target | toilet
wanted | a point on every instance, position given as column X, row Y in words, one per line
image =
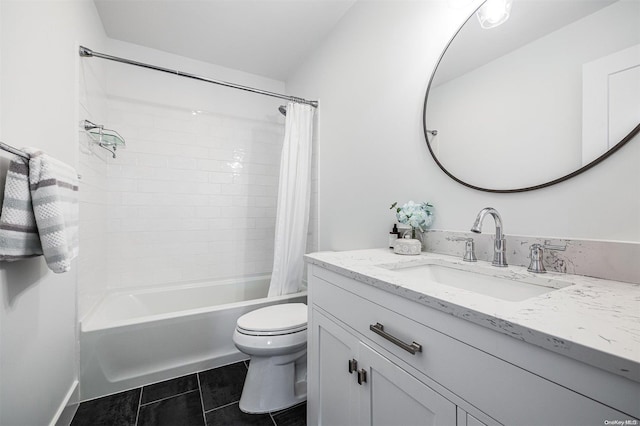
column 276, row 339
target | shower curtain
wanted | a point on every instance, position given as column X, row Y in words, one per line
column 294, row 194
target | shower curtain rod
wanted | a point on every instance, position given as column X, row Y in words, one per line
column 88, row 53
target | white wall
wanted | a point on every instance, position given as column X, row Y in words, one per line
column 370, row 75
column 39, row 80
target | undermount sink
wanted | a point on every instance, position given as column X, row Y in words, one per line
column 480, row 280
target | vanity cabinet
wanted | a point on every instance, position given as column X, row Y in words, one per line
column 357, row 376
column 362, row 387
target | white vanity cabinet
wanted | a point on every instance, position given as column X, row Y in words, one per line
column 359, row 377
column 361, row 387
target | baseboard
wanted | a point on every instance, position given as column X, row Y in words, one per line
column 68, row 407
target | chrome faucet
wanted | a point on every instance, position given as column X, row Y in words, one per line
column 500, row 244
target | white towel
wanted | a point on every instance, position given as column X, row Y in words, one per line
column 44, row 207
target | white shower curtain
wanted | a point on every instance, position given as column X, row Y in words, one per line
column 294, row 194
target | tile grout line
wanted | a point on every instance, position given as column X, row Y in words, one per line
column 139, row 404
column 222, row 406
column 236, row 402
column 204, row 414
column 167, row 397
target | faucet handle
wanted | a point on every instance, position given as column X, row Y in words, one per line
column 536, row 265
column 554, row 247
column 469, row 249
column 536, row 252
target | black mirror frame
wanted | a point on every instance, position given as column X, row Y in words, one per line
column 582, row 169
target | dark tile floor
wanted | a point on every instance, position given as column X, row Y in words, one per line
column 208, row 398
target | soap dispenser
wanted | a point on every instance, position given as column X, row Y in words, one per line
column 393, row 236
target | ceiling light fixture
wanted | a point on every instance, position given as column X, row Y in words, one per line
column 494, row 13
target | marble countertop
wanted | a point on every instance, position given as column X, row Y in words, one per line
column 593, row 320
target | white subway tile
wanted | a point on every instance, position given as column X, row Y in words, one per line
column 122, row 184
column 114, row 198
column 182, row 163
column 167, row 186
column 136, row 199
column 171, row 136
column 182, row 175
column 222, row 154
column 167, row 275
column 220, row 200
column 220, row 130
column 241, row 223
column 168, row 212
column 243, row 201
column 234, row 189
column 266, row 201
column 201, row 151
column 262, row 222
column 209, row 188
column 163, row 199
column 182, row 123
column 122, row 212
column 153, row 159
column 210, row 165
column 208, row 211
column 114, row 225
column 217, row 177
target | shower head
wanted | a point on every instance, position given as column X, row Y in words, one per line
column 283, row 110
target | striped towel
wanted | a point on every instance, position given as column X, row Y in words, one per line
column 18, row 232
column 40, row 211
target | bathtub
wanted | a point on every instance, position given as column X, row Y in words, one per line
column 139, row 337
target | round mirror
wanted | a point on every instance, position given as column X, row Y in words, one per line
column 548, row 94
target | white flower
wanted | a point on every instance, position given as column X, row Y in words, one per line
column 418, row 216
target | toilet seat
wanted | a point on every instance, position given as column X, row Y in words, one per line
column 276, row 320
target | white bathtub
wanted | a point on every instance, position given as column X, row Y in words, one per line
column 139, row 337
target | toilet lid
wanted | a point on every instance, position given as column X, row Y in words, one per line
column 284, row 318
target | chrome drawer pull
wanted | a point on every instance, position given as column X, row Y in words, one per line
column 411, row 348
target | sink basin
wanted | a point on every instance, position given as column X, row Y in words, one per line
column 481, row 280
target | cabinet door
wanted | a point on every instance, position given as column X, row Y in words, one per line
column 336, row 399
column 472, row 421
column 466, row 419
column 394, row 397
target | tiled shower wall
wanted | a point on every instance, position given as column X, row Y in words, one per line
column 192, row 197
column 92, row 166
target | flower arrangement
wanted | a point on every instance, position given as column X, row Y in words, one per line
column 417, row 216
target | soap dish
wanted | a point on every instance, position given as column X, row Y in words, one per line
column 407, row 246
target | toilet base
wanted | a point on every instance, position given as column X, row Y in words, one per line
column 275, row 383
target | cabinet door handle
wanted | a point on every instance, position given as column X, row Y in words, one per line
column 411, row 348
column 362, row 376
column 353, row 365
